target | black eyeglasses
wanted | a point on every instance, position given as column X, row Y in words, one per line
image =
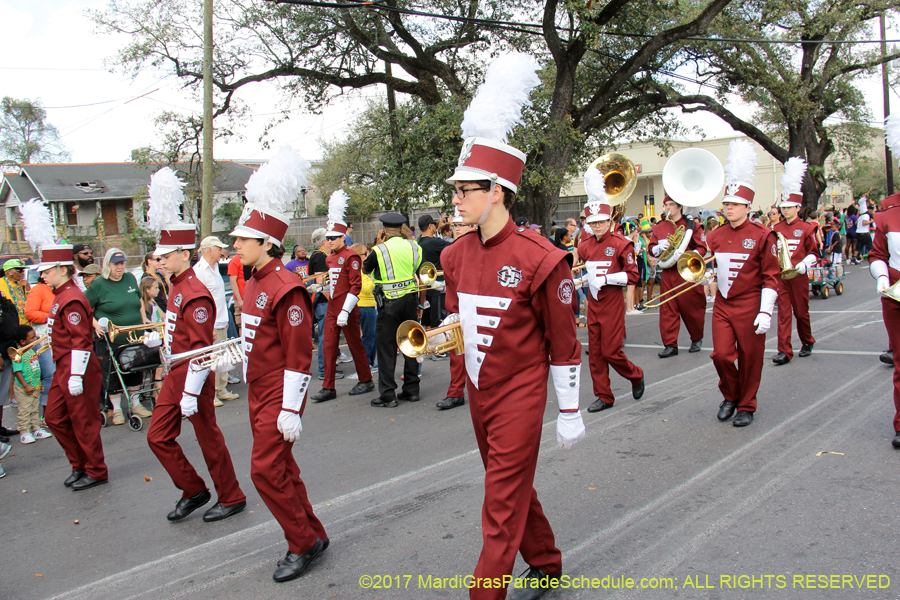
column 86, row 252
column 461, row 193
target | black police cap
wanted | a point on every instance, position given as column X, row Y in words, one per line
column 393, row 220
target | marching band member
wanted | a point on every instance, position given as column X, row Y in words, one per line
column 189, row 392
column 277, row 340
column 513, row 291
column 457, row 389
column 747, row 274
column 690, row 306
column 884, row 265
column 793, row 294
column 72, row 413
column 609, row 259
column 342, row 315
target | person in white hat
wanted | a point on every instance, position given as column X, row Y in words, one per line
column 747, row 275
column 513, row 292
column 793, row 294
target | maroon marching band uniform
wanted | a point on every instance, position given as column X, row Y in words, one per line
column 277, row 338
column 190, row 316
column 75, row 420
column 513, row 295
column 345, row 278
column 746, row 263
column 690, row 306
column 793, row 294
column 886, row 250
column 606, row 311
column 457, row 387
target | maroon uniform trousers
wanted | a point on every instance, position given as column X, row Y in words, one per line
column 165, row 427
column 793, row 299
column 511, row 506
column 890, row 309
column 75, row 420
column 734, row 339
column 606, row 335
column 458, row 378
column 689, row 306
column 275, row 472
column 354, row 343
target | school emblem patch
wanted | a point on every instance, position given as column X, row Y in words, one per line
column 341, row 260
column 631, row 259
column 565, row 291
column 749, row 244
column 295, row 315
column 201, row 315
column 610, row 251
column 798, row 232
column 509, row 277
column 74, row 318
column 178, row 300
column 261, row 300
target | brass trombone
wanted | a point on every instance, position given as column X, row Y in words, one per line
column 16, row 354
column 692, row 268
column 132, row 331
column 427, row 276
column 414, row 340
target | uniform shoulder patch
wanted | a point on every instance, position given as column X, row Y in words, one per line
column 295, row 315
column 201, row 315
column 74, row 318
column 566, row 291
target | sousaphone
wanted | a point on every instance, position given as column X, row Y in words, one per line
column 693, row 177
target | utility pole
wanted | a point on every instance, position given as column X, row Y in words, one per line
column 888, row 159
column 206, row 206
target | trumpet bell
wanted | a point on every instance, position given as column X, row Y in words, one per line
column 619, row 176
column 411, row 339
column 693, row 177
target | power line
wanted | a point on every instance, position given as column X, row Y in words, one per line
column 48, row 69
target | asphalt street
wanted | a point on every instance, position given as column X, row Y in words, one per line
column 659, row 494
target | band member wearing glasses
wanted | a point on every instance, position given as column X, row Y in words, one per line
column 690, row 306
column 187, row 391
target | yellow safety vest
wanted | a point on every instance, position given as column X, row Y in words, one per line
column 398, row 259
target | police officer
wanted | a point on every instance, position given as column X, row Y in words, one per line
column 393, row 264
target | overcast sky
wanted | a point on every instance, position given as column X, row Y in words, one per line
column 51, row 52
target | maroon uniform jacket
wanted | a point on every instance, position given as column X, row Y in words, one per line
column 885, row 242
column 664, row 229
column 513, row 294
column 190, row 316
column 746, row 258
column 277, row 323
column 801, row 238
column 611, row 254
column 70, row 323
column 344, row 274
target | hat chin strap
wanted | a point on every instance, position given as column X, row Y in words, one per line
column 487, row 207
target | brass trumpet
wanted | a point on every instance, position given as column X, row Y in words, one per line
column 314, row 275
column 784, row 259
column 203, row 358
column 692, row 268
column 16, row 354
column 414, row 340
column 132, row 331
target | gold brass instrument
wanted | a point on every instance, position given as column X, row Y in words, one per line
column 784, row 259
column 428, row 274
column 414, row 340
column 578, row 266
column 892, row 292
column 15, row 354
column 692, row 268
column 314, row 275
column 675, row 240
column 619, row 177
column 132, row 331
column 204, row 358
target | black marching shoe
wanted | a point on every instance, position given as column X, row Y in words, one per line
column 324, row 395
column 743, row 418
column 220, row 511
column 450, row 402
column 363, row 387
column 896, row 441
column 186, row 506
column 3, row 439
column 382, row 403
column 781, row 359
column 726, row 410
column 637, row 389
column 533, row 584
column 408, row 397
column 598, row 405
column 75, row 476
column 87, row 482
column 887, row 357
column 669, row 351
column 806, row 350
column 696, row 346
column 8, row 432
column 293, row 565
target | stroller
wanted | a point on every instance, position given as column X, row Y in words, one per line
column 133, row 358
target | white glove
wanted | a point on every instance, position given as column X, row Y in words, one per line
column 289, row 425
column 882, row 284
column 223, row 363
column 342, row 318
column 660, row 247
column 188, row 404
column 598, row 282
column 76, row 385
column 152, row 339
column 438, row 285
column 762, row 322
column 569, row 429
column 801, row 267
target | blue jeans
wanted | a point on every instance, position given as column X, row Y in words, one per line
column 48, row 367
column 319, row 313
column 367, row 317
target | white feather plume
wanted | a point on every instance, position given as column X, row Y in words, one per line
column 337, row 206
column 278, row 182
column 741, row 164
column 497, row 106
column 892, row 132
column 792, row 180
column 166, row 198
column 595, row 186
column 38, row 224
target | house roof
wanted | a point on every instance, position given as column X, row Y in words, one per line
column 20, row 186
column 74, row 182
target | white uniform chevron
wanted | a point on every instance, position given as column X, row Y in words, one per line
column 728, row 266
column 893, row 239
column 471, row 320
column 595, row 269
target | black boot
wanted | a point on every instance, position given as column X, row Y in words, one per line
column 726, row 410
column 887, row 357
column 363, row 387
column 533, row 584
column 75, row 476
column 186, row 506
column 743, row 418
column 669, row 351
column 696, row 346
column 219, row 511
column 806, row 350
column 87, row 482
column 293, row 565
column 384, row 403
column 896, row 441
column 781, row 359
column 450, row 402
column 324, row 395
column 637, row 389
column 598, row 405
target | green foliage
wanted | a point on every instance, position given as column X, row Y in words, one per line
column 229, row 213
column 26, row 136
column 866, row 176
